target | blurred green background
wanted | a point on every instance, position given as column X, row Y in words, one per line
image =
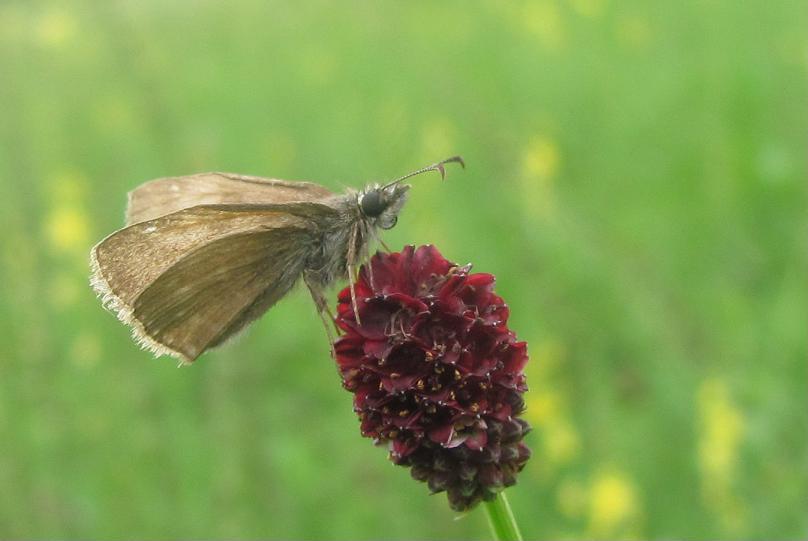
column 636, row 181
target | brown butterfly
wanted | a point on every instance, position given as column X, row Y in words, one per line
column 202, row 256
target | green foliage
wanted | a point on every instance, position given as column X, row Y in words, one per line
column 636, row 181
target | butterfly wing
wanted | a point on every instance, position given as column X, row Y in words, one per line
column 187, row 281
column 166, row 195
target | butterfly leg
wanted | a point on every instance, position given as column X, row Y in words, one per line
column 351, row 267
column 321, row 304
column 329, row 332
column 370, row 275
column 369, row 232
column 352, row 279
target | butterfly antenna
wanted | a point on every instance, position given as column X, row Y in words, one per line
column 434, row 167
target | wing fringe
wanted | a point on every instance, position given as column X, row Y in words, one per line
column 125, row 313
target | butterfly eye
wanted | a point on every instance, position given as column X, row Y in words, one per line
column 389, row 224
column 372, row 204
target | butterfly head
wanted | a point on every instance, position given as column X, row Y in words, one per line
column 381, row 204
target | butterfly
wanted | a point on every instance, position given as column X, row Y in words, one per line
column 203, row 256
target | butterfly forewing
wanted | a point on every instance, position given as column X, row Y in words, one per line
column 188, row 280
column 166, row 195
column 217, row 289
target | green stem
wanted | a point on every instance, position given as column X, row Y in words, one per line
column 500, row 518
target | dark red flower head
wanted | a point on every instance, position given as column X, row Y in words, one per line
column 436, row 373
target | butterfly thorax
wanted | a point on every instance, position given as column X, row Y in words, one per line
column 345, row 238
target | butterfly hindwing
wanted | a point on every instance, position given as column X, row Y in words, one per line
column 166, row 195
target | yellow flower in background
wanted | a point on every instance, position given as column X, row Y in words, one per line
column 542, row 158
column 721, row 432
column 609, row 503
column 614, row 507
column 67, row 228
column 722, row 428
column 543, row 19
column 544, row 406
column 561, row 442
column 55, row 27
